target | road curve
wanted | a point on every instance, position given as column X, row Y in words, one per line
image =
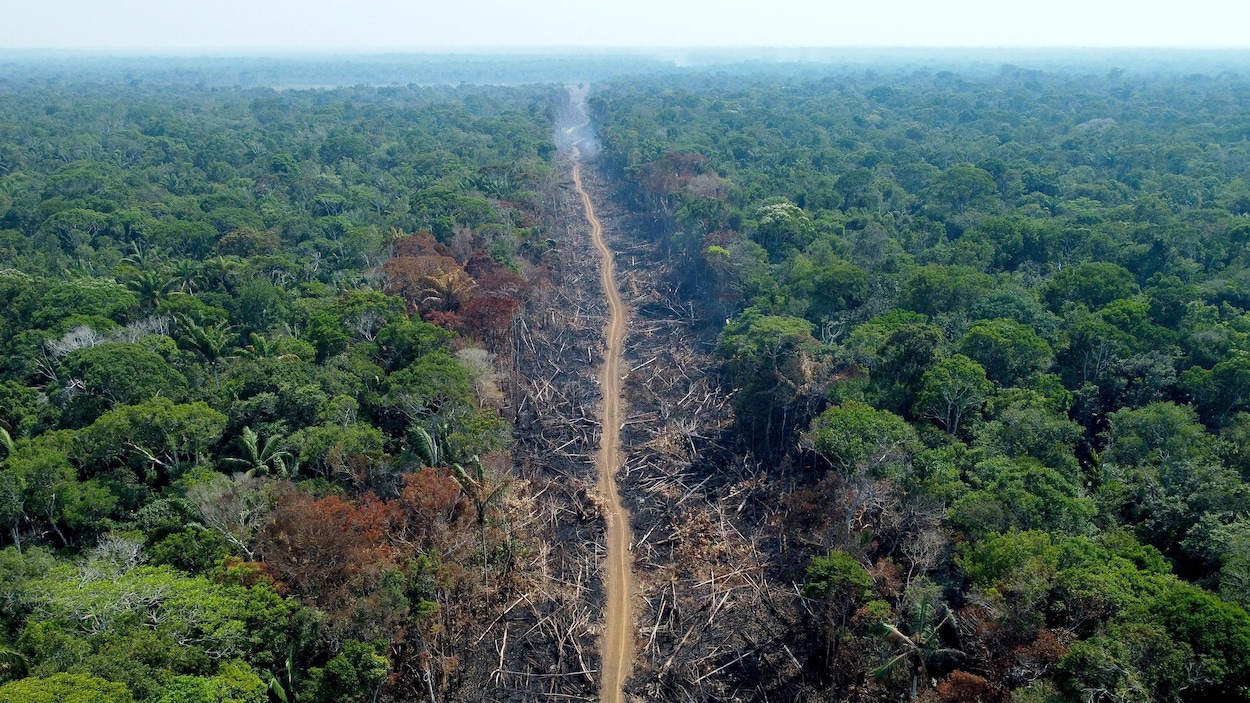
column 618, row 634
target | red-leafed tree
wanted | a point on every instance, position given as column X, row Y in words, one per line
column 429, row 505
column 489, row 318
column 446, row 320
column 336, row 556
column 351, row 559
column 495, row 279
column 963, row 687
column 320, row 546
column 419, row 244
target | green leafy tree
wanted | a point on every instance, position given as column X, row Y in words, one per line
column 855, row 437
column 828, row 288
column 1021, row 494
column 193, row 309
column 1029, row 423
column 26, row 411
column 402, row 341
column 246, row 241
column 904, row 359
column 1095, row 348
column 1161, row 471
column 1093, row 284
column 258, row 304
column 85, row 296
column 121, row 373
column 64, row 688
column 156, row 436
column 73, row 228
column 114, row 617
column 1133, row 662
column 782, row 225
column 1223, row 390
column 354, row 676
column 365, row 313
column 959, row 188
column 326, row 333
column 1009, row 351
column 842, row 586
column 934, row 289
column 321, row 447
column 433, row 392
column 52, row 496
column 953, row 390
column 1218, row 634
column 235, row 682
column 1232, row 542
column 866, row 447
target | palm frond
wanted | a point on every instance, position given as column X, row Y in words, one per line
column 13, row 664
column 893, row 635
column 883, row 671
column 467, row 482
column 423, row 445
column 945, row 653
column 276, row 690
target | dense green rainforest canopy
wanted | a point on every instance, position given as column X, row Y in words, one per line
column 217, row 388
column 1000, row 324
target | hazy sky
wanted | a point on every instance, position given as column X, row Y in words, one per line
column 427, row 24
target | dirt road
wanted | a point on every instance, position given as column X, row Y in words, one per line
column 618, row 634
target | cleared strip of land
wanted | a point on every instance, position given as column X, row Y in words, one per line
column 618, row 580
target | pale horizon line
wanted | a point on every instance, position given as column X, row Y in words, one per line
column 548, row 50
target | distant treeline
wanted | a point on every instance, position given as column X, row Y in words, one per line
column 323, row 70
column 329, row 70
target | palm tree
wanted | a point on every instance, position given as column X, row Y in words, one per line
column 259, row 457
column 210, row 341
column 259, row 347
column 220, row 268
column 286, row 693
column 919, row 650
column 446, row 290
column 496, row 184
column 143, row 257
column 482, row 490
column 152, row 286
column 187, row 274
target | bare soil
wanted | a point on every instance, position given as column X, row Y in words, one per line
column 618, row 635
